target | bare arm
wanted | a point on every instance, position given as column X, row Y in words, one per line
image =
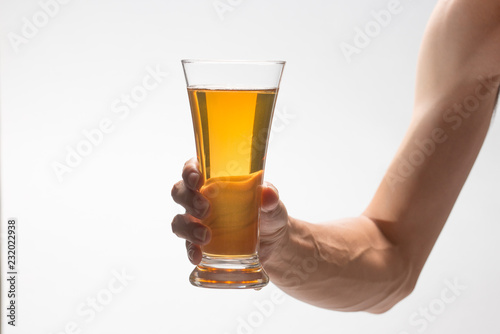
column 371, row 262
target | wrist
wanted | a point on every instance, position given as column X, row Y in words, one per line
column 284, row 251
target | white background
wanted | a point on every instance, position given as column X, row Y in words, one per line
column 341, row 124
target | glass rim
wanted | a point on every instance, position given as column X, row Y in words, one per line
column 241, row 62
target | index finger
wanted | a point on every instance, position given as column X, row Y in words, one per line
column 191, row 174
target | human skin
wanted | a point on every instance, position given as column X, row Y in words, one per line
column 371, row 262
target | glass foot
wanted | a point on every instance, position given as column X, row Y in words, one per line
column 229, row 273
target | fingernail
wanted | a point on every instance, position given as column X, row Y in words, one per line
column 200, row 233
column 274, row 188
column 193, row 179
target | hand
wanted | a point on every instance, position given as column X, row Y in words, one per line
column 273, row 216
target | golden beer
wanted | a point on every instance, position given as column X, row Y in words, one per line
column 231, row 130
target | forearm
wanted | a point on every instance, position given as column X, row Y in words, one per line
column 346, row 265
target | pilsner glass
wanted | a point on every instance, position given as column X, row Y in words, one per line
column 232, row 104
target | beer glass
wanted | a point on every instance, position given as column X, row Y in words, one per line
column 232, row 105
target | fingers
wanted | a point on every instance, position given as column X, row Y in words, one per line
column 189, row 228
column 194, row 252
column 193, row 201
column 191, row 174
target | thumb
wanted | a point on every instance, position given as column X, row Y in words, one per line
column 273, row 212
